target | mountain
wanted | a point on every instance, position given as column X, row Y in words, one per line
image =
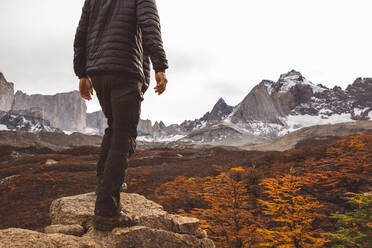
column 52, row 140
column 96, row 123
column 273, row 109
column 66, row 111
column 63, row 111
column 26, row 120
column 219, row 111
column 6, row 94
column 270, row 110
column 318, row 134
column 157, row 132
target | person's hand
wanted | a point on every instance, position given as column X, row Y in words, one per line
column 86, row 88
column 161, row 81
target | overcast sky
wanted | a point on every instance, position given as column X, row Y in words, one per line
column 215, row 48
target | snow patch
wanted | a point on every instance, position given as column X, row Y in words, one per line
column 325, row 111
column 358, row 111
column 87, row 131
column 295, row 122
column 4, row 128
column 67, row 132
column 169, row 138
column 269, row 87
column 292, row 80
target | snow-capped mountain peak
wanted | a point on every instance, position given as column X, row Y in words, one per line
column 289, row 80
column 25, row 121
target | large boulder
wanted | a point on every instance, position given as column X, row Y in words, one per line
column 71, row 227
column 15, row 237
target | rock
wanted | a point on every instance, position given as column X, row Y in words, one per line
column 79, row 210
column 26, row 120
column 201, row 233
column 71, row 227
column 35, row 112
column 144, row 127
column 8, row 180
column 50, row 162
column 159, row 126
column 6, row 93
column 66, row 111
column 257, row 106
column 184, row 224
column 98, row 121
column 55, row 141
column 223, row 134
column 320, row 132
column 145, row 237
column 15, row 155
column 21, row 238
column 219, row 112
column 76, row 230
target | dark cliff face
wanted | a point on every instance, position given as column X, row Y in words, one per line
column 293, row 94
column 273, row 109
column 97, row 121
column 26, row 120
column 270, row 100
column 361, row 92
column 219, row 112
column 6, row 93
column 268, row 111
column 258, row 105
column 66, row 111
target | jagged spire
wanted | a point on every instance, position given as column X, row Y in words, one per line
column 293, row 74
column 2, row 78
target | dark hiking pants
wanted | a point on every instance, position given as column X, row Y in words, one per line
column 120, row 98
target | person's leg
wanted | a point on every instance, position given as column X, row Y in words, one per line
column 101, row 85
column 105, row 147
column 125, row 101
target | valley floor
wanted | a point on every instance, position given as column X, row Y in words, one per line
column 31, row 178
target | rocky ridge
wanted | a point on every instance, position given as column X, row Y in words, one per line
column 270, row 111
column 273, row 109
column 66, row 111
column 62, row 111
column 30, row 120
column 71, row 227
column 6, row 93
column 317, row 133
column 52, row 140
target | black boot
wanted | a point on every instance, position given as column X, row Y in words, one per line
column 123, row 219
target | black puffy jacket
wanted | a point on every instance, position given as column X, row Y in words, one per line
column 119, row 36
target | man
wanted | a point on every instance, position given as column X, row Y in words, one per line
column 114, row 42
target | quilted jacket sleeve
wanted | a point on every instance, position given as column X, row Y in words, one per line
column 146, row 71
column 80, row 42
column 148, row 19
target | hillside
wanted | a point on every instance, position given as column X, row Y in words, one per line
column 314, row 135
column 32, row 178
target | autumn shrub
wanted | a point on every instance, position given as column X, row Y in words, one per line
column 354, row 229
column 291, row 214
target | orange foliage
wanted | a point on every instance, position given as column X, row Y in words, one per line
column 291, row 214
